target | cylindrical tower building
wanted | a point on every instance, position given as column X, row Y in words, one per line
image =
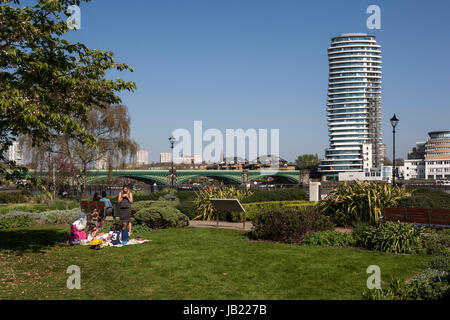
column 353, row 105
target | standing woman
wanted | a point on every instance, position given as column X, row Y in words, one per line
column 125, row 200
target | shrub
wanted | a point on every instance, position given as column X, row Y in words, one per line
column 187, row 208
column 169, row 196
column 434, row 242
column 329, row 238
column 42, row 218
column 358, row 232
column 161, row 217
column 205, row 209
column 13, row 197
column 426, row 198
column 440, row 263
column 397, row 290
column 288, row 225
column 139, row 205
column 252, row 208
column 392, row 237
column 360, row 201
column 182, row 195
column 430, row 284
column 15, row 222
column 276, row 195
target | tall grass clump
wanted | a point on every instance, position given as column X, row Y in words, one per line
column 360, row 201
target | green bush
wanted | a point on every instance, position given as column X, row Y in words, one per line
column 15, row 222
column 169, row 196
column 276, row 195
column 393, row 237
column 434, row 242
column 182, row 195
column 360, row 201
column 13, row 197
column 430, row 284
column 440, row 263
column 287, row 225
column 187, row 208
column 39, row 207
column 329, row 238
column 426, row 198
column 397, row 290
column 161, row 217
column 139, row 205
column 252, row 208
column 43, row 218
column 358, row 232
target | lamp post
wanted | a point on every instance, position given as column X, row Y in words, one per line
column 172, row 141
column 394, row 122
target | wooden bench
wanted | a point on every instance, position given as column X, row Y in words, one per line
column 433, row 218
column 88, row 206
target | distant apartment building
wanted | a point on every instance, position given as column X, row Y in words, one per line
column 142, row 157
column 165, row 157
column 413, row 169
column 353, row 106
column 195, row 159
column 414, row 166
column 431, row 159
column 375, row 174
column 437, row 155
column 15, row 153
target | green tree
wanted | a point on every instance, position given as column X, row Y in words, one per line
column 110, row 125
column 47, row 84
column 307, row 162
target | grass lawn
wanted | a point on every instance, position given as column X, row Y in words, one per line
column 189, row 263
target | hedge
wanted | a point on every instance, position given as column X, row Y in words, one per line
column 15, row 219
column 161, row 217
column 252, row 208
column 288, row 225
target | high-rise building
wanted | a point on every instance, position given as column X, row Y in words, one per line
column 165, row 157
column 353, row 105
column 142, row 157
column 15, row 153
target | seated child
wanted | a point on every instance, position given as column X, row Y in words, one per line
column 125, row 234
column 99, row 227
column 115, row 234
column 77, row 233
column 94, row 232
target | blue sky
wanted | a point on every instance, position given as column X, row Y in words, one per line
column 263, row 64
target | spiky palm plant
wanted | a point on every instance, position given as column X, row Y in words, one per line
column 205, row 208
column 360, row 201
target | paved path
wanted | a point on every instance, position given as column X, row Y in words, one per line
column 236, row 225
column 222, row 224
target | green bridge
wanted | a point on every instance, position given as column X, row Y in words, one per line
column 182, row 176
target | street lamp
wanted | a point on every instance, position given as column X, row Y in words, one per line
column 172, row 141
column 394, row 122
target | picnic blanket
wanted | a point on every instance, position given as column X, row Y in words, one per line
column 129, row 243
column 103, row 243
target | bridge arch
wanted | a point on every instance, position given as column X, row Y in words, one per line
column 292, row 177
column 148, row 180
column 227, row 180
